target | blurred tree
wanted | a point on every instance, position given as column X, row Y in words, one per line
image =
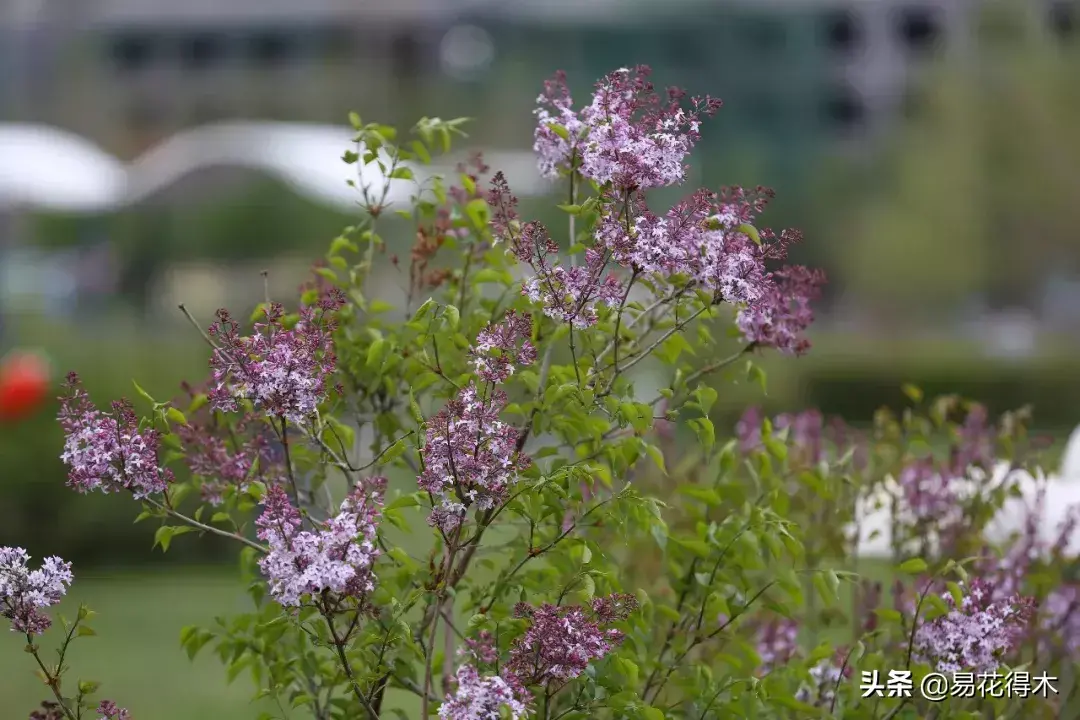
column 978, row 191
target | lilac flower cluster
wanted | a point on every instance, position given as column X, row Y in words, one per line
column 978, row 634
column 558, row 646
column 626, row 136
column 227, row 455
column 481, row 697
column 777, row 640
column 471, row 458
column 497, row 348
column 109, row 711
column 627, row 140
column 825, row 676
column 108, row 452
column 812, row 437
column 561, row 641
column 1058, row 627
column 24, row 593
column 281, row 372
column 933, row 491
column 337, row 557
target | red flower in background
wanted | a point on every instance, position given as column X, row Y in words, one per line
column 24, row 384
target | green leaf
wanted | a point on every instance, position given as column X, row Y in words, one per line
column 197, row 403
column 354, row 120
column 559, row 130
column 956, row 592
column 671, row 348
column 421, row 152
column 376, row 354
column 423, row 309
column 914, row 566
column 414, row 409
column 751, row 232
column 705, row 431
column 453, row 316
column 402, row 173
column 393, row 452
column 176, row 416
column 657, row 456
column 143, row 394
column 478, row 212
column 889, row 615
column 340, row 244
column 913, row 393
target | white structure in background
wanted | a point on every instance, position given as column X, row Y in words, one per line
column 1062, row 495
column 47, row 168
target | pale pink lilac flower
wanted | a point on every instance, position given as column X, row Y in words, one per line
column 561, row 641
column 1060, row 620
column 699, row 238
column 24, row 593
column 777, row 641
column 108, row 451
column 555, row 107
column 109, row 711
column 470, row 457
column 497, row 347
column 978, row 635
column 337, row 557
column 825, row 676
column 627, row 135
column 482, row 697
column 929, row 495
column 223, row 454
column 572, row 295
column 480, row 649
column 782, row 315
column 282, row 372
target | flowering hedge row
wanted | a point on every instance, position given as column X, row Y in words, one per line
column 576, row 561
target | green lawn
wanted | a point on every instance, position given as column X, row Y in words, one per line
column 136, row 654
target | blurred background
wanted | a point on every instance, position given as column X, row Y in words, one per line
column 154, row 152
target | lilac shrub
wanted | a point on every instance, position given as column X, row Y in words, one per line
column 464, row 508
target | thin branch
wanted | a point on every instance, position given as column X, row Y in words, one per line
column 205, row 528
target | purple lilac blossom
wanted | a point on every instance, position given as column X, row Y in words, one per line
column 109, row 711
column 978, row 634
column 777, row 641
column 282, row 372
column 470, row 456
column 337, row 557
column 24, row 593
column 481, row 697
column 108, row 451
column 560, row 642
column 824, row 678
column 497, row 348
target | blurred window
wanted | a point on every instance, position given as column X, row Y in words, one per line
column 133, row 51
column 1063, row 17
column 272, row 48
column 842, row 32
column 918, row 28
column 201, row 51
column 843, row 109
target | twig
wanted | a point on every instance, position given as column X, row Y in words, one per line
column 197, row 326
column 205, row 528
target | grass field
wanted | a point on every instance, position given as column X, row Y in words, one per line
column 136, row 654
